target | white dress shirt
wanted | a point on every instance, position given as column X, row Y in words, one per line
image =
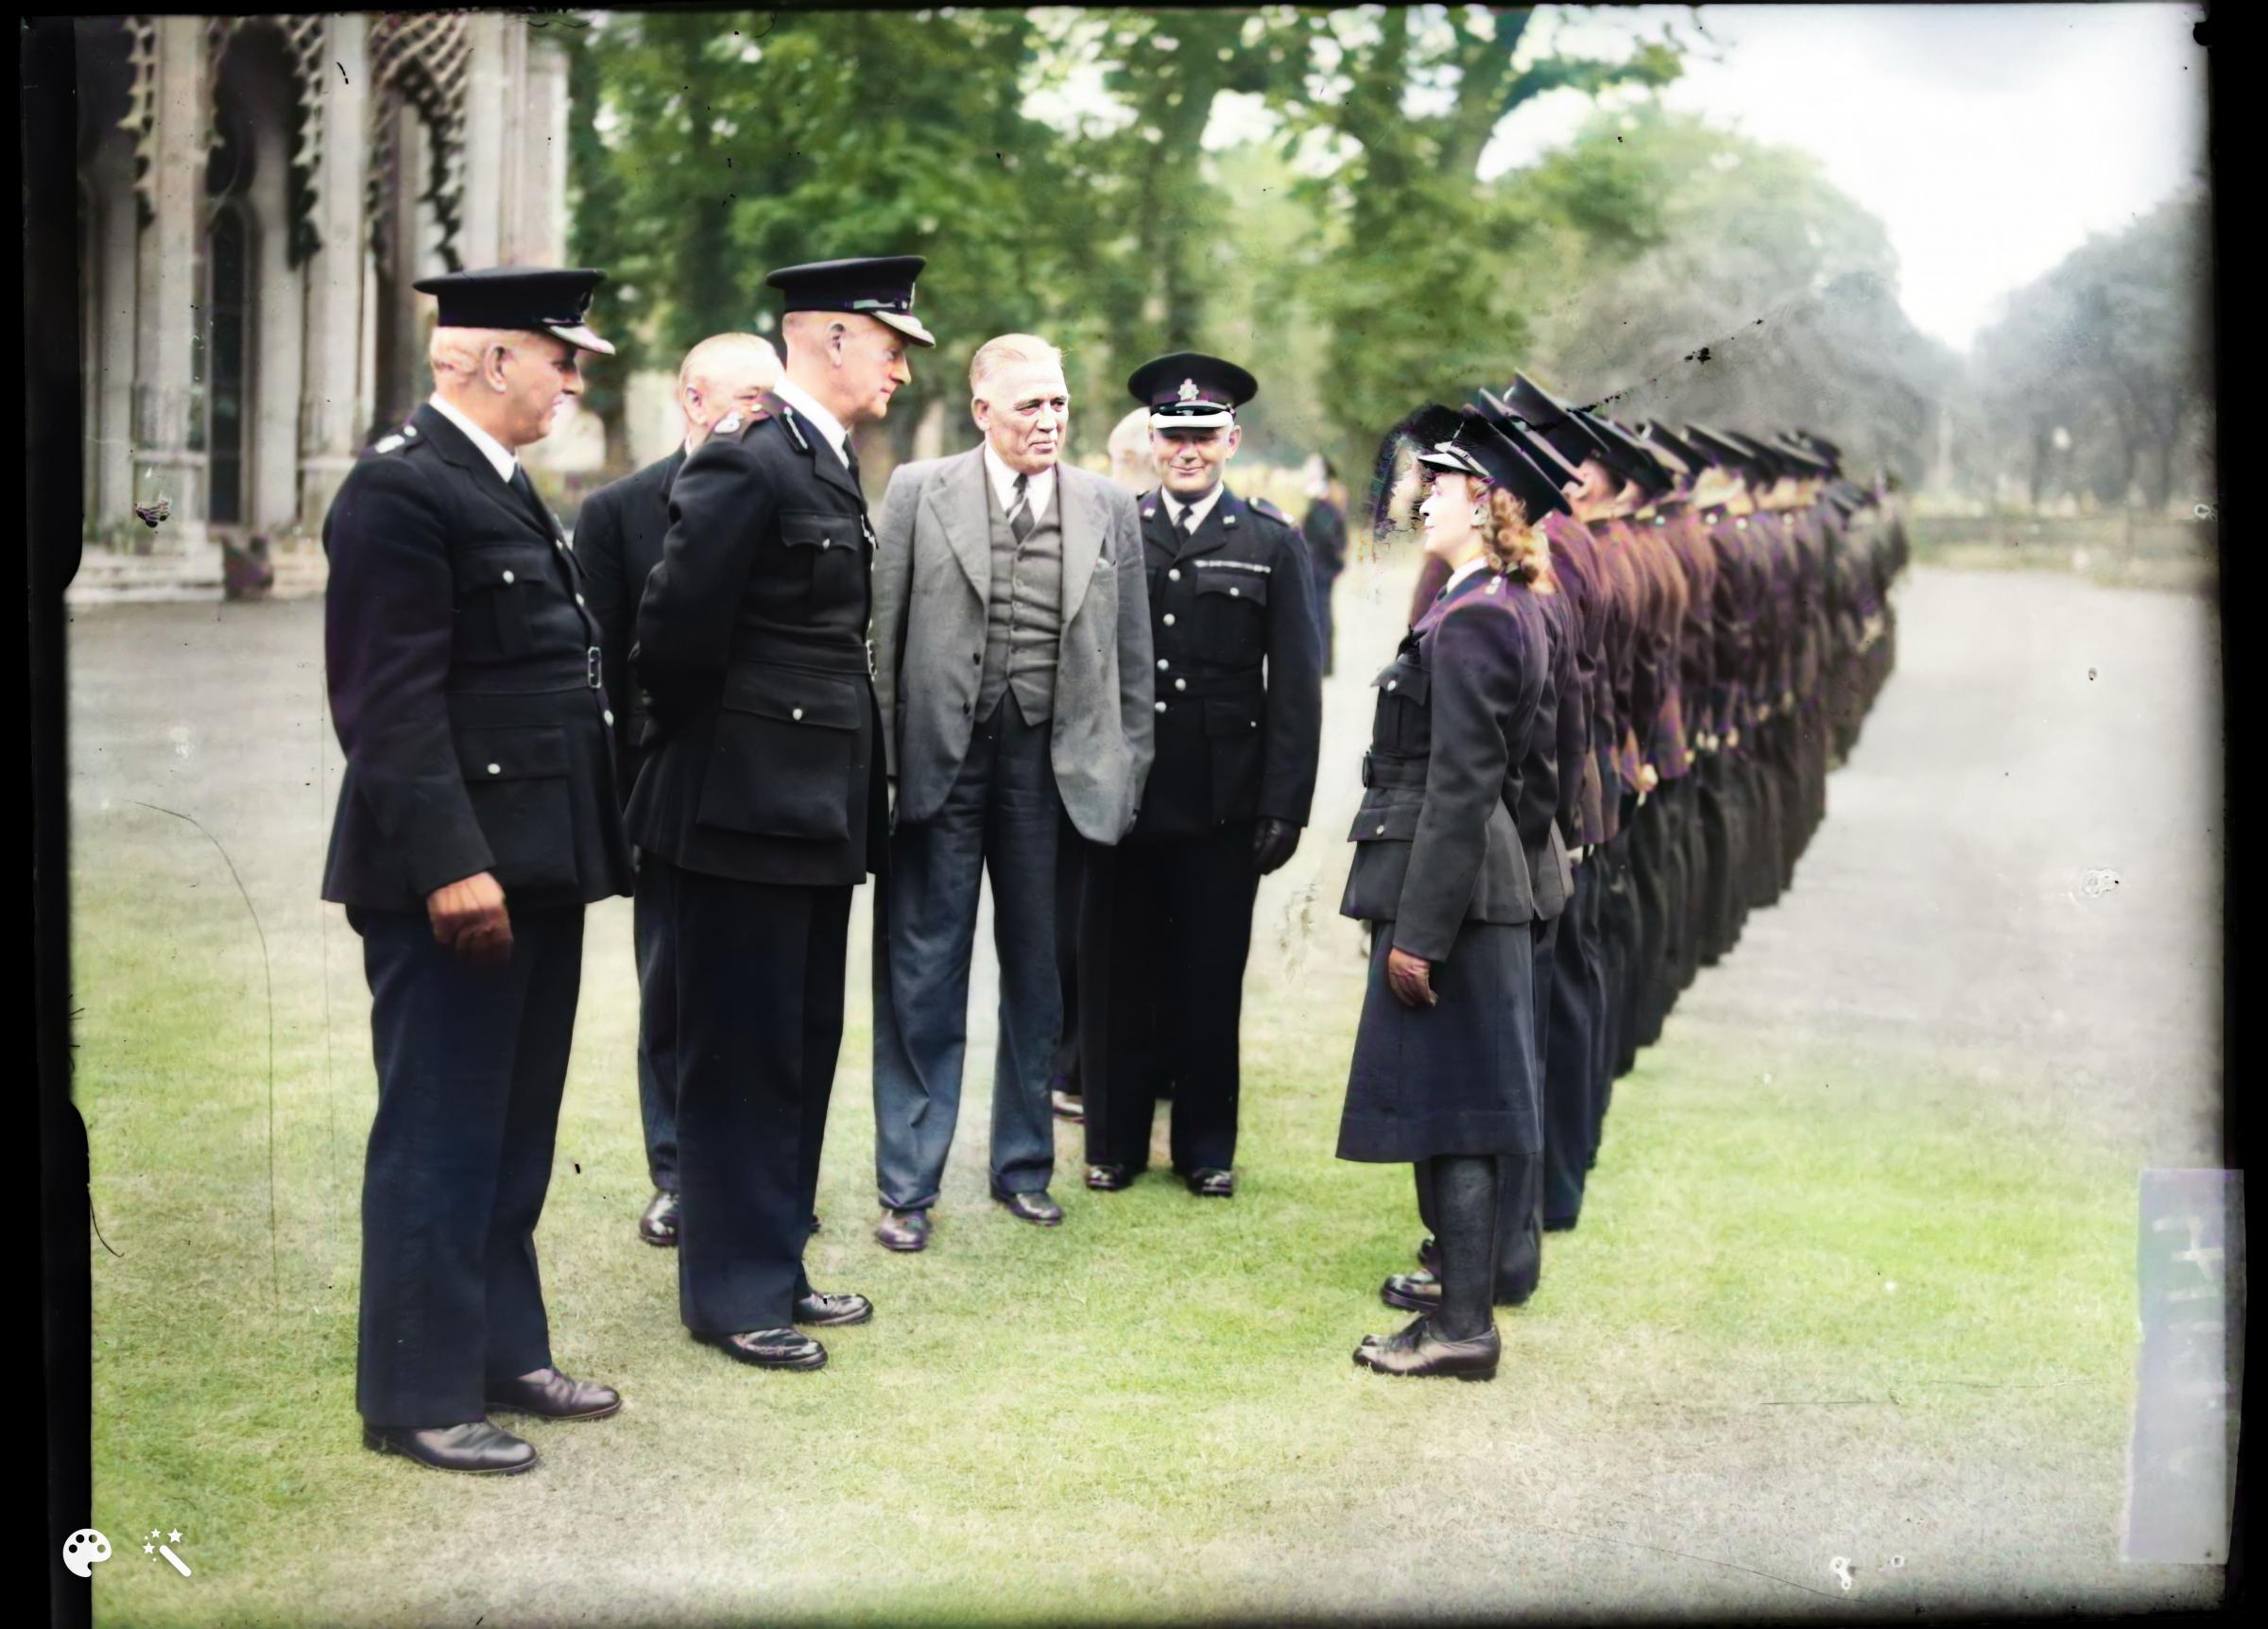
column 501, row 457
column 1463, row 571
column 1197, row 511
column 1040, row 489
column 827, row 423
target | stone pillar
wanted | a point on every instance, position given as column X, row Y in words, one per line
column 275, row 333
column 169, row 460
column 116, row 227
column 487, row 83
column 541, row 238
column 330, row 384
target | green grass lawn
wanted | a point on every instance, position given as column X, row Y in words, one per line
column 1820, row 1304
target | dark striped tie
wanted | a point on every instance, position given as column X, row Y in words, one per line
column 1020, row 512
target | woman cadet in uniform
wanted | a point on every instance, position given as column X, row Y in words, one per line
column 1445, row 1073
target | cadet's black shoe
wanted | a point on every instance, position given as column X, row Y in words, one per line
column 554, row 1396
column 659, row 1224
column 1109, row 1179
column 1211, row 1182
column 903, row 1230
column 1418, row 1291
column 1429, row 1254
column 476, row 1448
column 1419, row 1349
column 1069, row 1105
column 1036, row 1207
column 1561, row 1225
column 773, row 1348
column 823, row 1309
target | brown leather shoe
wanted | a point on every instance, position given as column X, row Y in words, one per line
column 902, row 1230
column 1035, row 1208
column 1419, row 1349
column 473, row 1448
column 553, row 1396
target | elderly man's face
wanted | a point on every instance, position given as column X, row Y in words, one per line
column 1189, row 461
column 538, row 372
column 873, row 358
column 1024, row 410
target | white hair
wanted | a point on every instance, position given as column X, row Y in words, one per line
column 994, row 354
column 707, row 354
column 461, row 351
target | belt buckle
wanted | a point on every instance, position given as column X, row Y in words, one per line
column 590, row 668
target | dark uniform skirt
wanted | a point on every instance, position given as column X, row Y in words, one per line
column 1458, row 1077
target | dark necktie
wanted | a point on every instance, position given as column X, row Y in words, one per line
column 1184, row 523
column 851, row 462
column 528, row 501
column 1019, row 513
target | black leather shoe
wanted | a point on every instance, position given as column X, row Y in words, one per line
column 773, row 1348
column 1069, row 1105
column 1564, row 1225
column 1109, row 1179
column 822, row 1310
column 554, row 1396
column 1211, row 1182
column 903, row 1230
column 1037, row 1208
column 1418, row 1291
column 1419, row 1349
column 1429, row 1254
column 474, row 1448
column 659, row 1224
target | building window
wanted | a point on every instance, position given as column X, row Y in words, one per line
column 227, row 386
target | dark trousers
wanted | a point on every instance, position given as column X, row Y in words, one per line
column 1324, row 581
column 651, row 907
column 1571, row 1060
column 1168, row 926
column 1001, row 819
column 760, row 1022
column 1618, row 946
column 1520, row 1196
column 470, row 1064
column 1070, row 890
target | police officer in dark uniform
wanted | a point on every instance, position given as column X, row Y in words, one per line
column 1240, row 710
column 764, row 791
column 478, row 816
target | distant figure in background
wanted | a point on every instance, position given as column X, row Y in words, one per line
column 618, row 542
column 1325, row 529
column 1133, row 460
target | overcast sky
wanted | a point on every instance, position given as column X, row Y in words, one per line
column 1990, row 140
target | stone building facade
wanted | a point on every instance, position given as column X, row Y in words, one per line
column 257, row 196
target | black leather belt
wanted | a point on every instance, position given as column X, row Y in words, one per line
column 1392, row 770
column 1189, row 686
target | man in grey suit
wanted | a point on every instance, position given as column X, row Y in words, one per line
column 1015, row 698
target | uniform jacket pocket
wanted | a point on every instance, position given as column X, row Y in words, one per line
column 517, row 778
column 787, row 749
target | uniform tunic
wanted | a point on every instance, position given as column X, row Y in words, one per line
column 1438, row 856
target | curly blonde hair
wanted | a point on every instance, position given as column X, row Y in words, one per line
column 1513, row 545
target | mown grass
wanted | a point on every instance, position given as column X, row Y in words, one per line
column 1818, row 1300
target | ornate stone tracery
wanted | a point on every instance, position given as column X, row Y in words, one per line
column 426, row 59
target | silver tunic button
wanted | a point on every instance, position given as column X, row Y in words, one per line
column 1393, row 684
column 1181, row 684
column 495, row 769
column 578, row 599
column 1160, row 706
column 797, row 714
column 1382, row 831
column 609, row 717
column 1164, row 665
column 1234, row 592
column 1169, row 619
column 508, row 578
column 1174, row 574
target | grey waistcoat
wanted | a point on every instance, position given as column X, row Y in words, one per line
column 1024, row 615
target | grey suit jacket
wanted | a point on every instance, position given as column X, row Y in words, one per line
column 932, row 573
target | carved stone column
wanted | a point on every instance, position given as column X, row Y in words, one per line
column 332, row 387
column 169, row 460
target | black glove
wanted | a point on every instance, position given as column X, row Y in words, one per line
column 1272, row 844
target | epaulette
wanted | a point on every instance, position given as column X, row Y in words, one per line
column 395, row 442
column 1271, row 511
column 741, row 423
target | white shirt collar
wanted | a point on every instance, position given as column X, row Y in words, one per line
column 1474, row 564
column 501, row 457
column 1197, row 511
column 804, row 403
column 1040, row 488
